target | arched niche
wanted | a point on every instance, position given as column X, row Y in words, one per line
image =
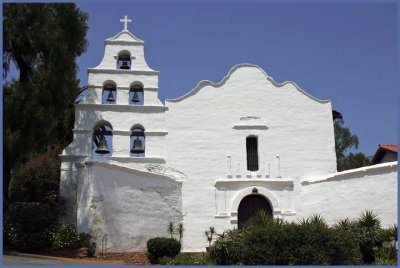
column 124, row 60
column 102, row 139
column 109, row 94
column 136, row 93
column 137, row 141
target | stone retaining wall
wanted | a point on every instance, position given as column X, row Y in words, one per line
column 135, row 258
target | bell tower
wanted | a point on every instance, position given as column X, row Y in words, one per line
column 120, row 121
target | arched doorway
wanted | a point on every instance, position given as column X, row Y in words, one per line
column 249, row 206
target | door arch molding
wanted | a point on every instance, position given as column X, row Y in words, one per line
column 247, row 191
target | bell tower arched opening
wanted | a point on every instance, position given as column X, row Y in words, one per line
column 109, row 94
column 102, row 139
column 250, row 205
column 136, row 94
column 124, row 60
column 137, row 141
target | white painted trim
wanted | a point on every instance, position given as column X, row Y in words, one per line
column 121, row 71
column 120, row 107
column 122, row 132
column 131, row 159
column 124, row 42
column 354, row 173
column 124, row 88
column 224, row 182
column 114, row 39
column 150, row 88
column 204, row 83
column 91, row 162
column 248, row 191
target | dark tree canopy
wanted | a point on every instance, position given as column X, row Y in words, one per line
column 43, row 41
column 344, row 142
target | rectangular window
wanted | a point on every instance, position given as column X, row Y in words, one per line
column 252, row 153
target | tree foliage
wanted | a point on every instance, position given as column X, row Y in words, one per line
column 344, row 142
column 42, row 41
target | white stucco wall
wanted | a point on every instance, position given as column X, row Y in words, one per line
column 124, row 41
column 195, row 161
column 348, row 193
column 213, row 121
column 128, row 205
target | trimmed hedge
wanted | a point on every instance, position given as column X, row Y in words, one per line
column 277, row 243
column 162, row 247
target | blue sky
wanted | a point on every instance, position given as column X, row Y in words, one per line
column 344, row 52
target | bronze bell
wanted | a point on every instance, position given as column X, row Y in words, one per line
column 102, row 148
column 110, row 97
column 125, row 65
column 137, row 147
column 135, row 97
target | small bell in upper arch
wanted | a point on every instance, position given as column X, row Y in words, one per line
column 102, row 148
column 125, row 65
column 135, row 97
column 110, row 97
column 137, row 147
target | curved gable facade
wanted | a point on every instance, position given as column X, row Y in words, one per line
column 136, row 165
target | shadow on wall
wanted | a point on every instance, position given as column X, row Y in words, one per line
column 83, row 142
column 113, row 198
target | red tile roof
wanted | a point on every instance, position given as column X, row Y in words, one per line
column 383, row 148
column 389, row 147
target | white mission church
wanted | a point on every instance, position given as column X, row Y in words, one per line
column 209, row 158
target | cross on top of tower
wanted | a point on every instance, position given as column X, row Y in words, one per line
column 125, row 21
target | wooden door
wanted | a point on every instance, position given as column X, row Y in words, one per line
column 249, row 206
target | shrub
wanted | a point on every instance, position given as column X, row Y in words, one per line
column 66, row 236
column 162, row 247
column 37, row 180
column 209, row 234
column 56, row 237
column 274, row 242
column 366, row 230
column 187, row 259
column 91, row 249
column 27, row 242
column 31, row 217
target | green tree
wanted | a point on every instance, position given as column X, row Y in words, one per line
column 344, row 142
column 171, row 229
column 43, row 41
column 180, row 230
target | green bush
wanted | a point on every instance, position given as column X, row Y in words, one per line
column 186, row 259
column 382, row 261
column 31, row 217
column 56, row 237
column 27, row 242
column 370, row 236
column 91, row 249
column 273, row 242
column 66, row 236
column 162, row 247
